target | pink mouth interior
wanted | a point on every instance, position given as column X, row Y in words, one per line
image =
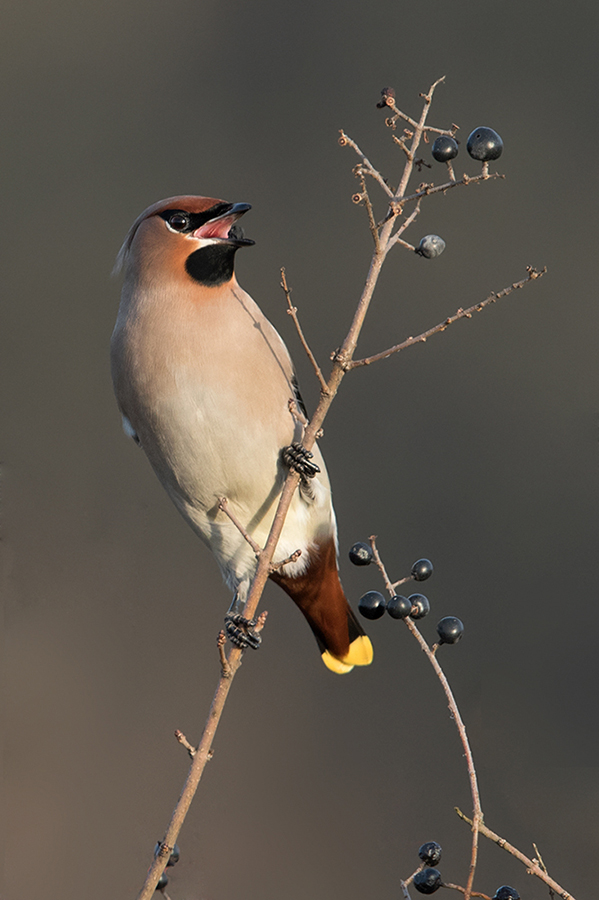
column 218, row 228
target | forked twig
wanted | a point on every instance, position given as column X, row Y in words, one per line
column 532, row 867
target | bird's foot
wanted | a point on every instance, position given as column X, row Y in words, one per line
column 298, row 458
column 242, row 632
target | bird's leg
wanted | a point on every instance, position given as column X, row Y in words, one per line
column 241, row 631
column 298, row 458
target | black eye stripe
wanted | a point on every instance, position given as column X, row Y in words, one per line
column 195, row 220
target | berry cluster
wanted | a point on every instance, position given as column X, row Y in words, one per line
column 373, row 604
column 428, row 879
column 483, row 144
column 172, row 860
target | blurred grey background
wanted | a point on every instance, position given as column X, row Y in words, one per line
column 478, row 450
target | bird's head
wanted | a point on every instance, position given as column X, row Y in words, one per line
column 186, row 236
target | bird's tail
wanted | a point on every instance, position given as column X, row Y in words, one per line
column 318, row 593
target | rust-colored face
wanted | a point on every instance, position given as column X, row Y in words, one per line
column 185, row 236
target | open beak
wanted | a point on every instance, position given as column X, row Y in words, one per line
column 223, row 227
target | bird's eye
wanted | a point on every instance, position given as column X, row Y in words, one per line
column 178, row 222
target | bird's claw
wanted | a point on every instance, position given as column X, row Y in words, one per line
column 241, row 631
column 298, row 458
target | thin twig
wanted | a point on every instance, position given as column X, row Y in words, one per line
column 402, row 581
column 292, row 311
column 532, row 867
column 346, row 141
column 542, row 866
column 408, row 881
column 222, row 504
column 395, row 239
column 460, row 314
column 458, row 887
column 371, row 220
column 274, row 567
column 477, row 815
column 225, row 668
column 418, row 131
column 447, row 185
column 185, row 743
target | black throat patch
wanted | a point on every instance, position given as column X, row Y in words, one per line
column 212, row 265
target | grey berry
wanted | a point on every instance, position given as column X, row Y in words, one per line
column 430, row 246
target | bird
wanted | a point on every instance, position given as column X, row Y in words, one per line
column 207, row 388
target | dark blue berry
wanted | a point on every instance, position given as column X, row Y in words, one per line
column 420, row 606
column 162, row 883
column 506, row 893
column 484, row 144
column 399, row 607
column 422, row 569
column 360, row 554
column 430, row 853
column 450, row 630
column 372, row 605
column 445, row 148
column 430, row 246
column 428, row 881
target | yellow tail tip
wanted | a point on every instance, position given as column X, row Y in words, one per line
column 360, row 654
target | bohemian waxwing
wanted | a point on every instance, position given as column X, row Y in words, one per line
column 204, row 384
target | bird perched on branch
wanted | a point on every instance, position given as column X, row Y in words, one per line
column 207, row 388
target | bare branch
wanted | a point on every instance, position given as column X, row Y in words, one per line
column 532, row 867
column 292, row 311
column 460, row 314
column 447, row 185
